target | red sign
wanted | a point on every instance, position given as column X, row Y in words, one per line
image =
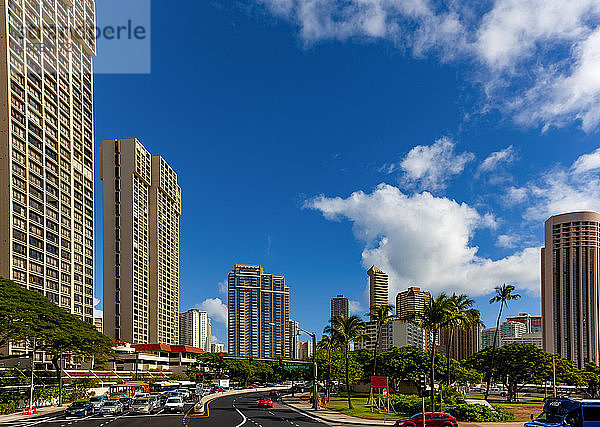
column 379, row 382
column 384, row 392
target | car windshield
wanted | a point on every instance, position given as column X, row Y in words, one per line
column 96, row 399
column 140, row 402
column 78, row 404
column 174, row 400
column 124, row 399
column 550, row 417
column 110, row 403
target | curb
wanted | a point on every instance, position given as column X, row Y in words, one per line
column 316, row 415
column 200, row 407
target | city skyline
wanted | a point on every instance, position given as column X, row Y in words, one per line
column 393, row 103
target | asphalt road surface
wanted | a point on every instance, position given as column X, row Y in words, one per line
column 229, row 411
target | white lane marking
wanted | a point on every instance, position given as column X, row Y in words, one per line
column 244, row 419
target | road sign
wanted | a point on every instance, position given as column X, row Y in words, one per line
column 291, row 367
column 384, row 393
column 379, row 382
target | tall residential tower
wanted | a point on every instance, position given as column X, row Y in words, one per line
column 570, row 287
column 378, row 287
column 141, row 204
column 340, row 306
column 47, row 149
column 258, row 313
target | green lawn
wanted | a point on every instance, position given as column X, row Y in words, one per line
column 339, row 402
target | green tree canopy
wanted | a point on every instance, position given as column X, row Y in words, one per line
column 27, row 315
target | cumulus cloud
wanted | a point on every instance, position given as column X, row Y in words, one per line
column 97, row 311
column 432, row 166
column 356, row 308
column 562, row 189
column 538, row 60
column 426, row 240
column 215, row 308
column 494, row 160
column 223, row 287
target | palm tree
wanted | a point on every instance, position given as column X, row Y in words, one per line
column 382, row 315
column 504, row 294
column 329, row 344
column 433, row 319
column 347, row 330
column 463, row 318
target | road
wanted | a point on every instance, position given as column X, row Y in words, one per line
column 229, row 411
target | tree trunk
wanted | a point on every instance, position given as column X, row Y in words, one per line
column 433, row 371
column 348, row 382
column 377, row 332
column 329, row 377
column 491, row 370
column 56, row 367
column 448, row 348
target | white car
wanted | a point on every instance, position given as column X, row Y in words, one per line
column 174, row 404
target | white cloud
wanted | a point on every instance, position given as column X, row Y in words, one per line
column 562, row 189
column 214, row 339
column 356, row 308
column 587, row 162
column 497, row 158
column 431, row 166
column 97, row 311
column 215, row 308
column 507, row 241
column 516, row 195
column 426, row 240
column 538, row 60
column 223, row 287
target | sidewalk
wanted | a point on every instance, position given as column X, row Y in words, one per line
column 335, row 417
column 18, row 416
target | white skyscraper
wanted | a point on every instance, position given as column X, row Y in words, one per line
column 189, row 328
column 205, row 331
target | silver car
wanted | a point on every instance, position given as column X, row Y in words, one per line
column 112, row 407
column 98, row 402
column 143, row 405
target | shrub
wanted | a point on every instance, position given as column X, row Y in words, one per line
column 406, row 404
column 478, row 413
column 8, row 408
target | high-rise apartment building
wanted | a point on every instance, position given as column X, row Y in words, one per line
column 570, row 287
column 305, row 350
column 294, row 328
column 141, row 204
column 463, row 343
column 217, row 348
column 47, row 149
column 258, row 312
column 411, row 300
column 487, row 338
column 531, row 322
column 378, row 287
column 509, row 330
column 205, row 331
column 189, row 328
column 340, row 306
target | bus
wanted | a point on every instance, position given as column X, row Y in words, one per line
column 128, row 389
column 567, row 411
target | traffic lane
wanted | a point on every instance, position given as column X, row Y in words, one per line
column 219, row 412
column 96, row 420
column 278, row 416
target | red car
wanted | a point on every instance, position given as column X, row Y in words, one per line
column 265, row 403
column 432, row 419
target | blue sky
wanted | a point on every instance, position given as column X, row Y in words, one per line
column 319, row 137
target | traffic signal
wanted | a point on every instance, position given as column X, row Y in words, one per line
column 422, row 385
column 220, row 357
column 280, row 360
column 250, row 359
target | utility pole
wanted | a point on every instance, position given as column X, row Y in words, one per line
column 314, row 355
column 32, row 368
column 554, row 374
column 60, row 384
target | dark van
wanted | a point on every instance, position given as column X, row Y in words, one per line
column 565, row 411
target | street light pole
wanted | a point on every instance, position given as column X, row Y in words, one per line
column 32, row 368
column 315, row 387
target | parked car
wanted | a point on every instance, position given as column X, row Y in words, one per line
column 80, row 409
column 142, row 405
column 97, row 401
column 432, row 419
column 112, row 407
column 174, row 404
column 275, row 395
column 265, row 403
